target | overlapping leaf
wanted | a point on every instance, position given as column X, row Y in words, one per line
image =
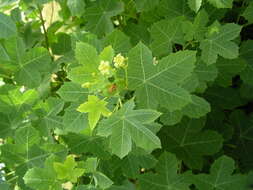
column 159, row 84
column 219, row 42
column 190, row 143
column 165, row 33
column 127, row 126
column 167, row 176
column 43, row 178
column 99, row 14
column 146, row 5
column 246, row 53
column 8, row 27
column 172, row 9
column 221, row 176
column 195, row 4
column 221, row 3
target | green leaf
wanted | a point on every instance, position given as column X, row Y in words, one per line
column 195, row 5
column 219, row 42
column 34, row 64
column 171, row 118
column 72, row 92
column 88, row 59
column 167, row 176
column 118, row 40
column 190, row 143
column 86, row 187
column 248, row 13
column 145, row 5
column 107, row 54
column 75, row 121
column 95, row 109
column 99, row 15
column 221, row 176
column 197, row 108
column 137, row 159
column 48, row 113
column 42, row 178
column 27, row 136
column 244, row 124
column 221, row 3
column 172, row 9
column 8, row 27
column 126, row 186
column 102, row 180
column 229, row 69
column 77, row 7
column 63, row 44
column 126, row 126
column 79, row 144
column 197, row 29
column 165, row 33
column 68, row 170
column 246, row 53
column 86, row 54
column 4, row 186
column 225, row 98
column 159, row 84
column 206, row 73
column 138, row 32
column 90, row 165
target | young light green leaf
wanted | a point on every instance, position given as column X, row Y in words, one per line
column 107, row 54
column 68, row 170
column 88, row 58
column 95, row 109
column 126, row 126
column 86, row 54
column 195, row 5
column 42, row 178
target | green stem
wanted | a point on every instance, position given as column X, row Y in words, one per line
column 44, row 28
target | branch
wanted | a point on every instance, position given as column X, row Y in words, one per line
column 44, row 28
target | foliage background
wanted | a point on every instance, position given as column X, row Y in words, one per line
column 177, row 114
